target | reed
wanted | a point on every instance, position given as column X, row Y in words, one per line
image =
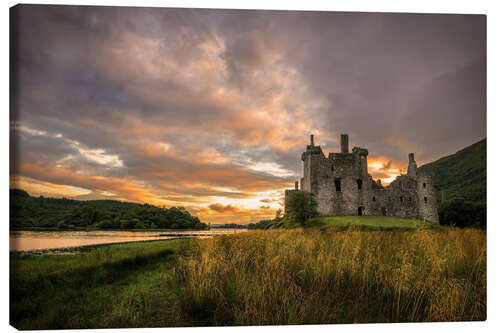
column 326, row 276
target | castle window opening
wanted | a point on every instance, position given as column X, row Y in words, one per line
column 424, row 185
column 373, row 199
column 425, row 199
column 360, row 184
column 401, row 199
column 333, row 169
column 337, row 185
column 409, row 199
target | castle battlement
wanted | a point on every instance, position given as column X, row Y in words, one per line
column 342, row 185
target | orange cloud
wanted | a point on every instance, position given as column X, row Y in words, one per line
column 385, row 169
column 272, row 109
column 221, row 209
column 63, row 182
column 37, row 187
column 218, row 213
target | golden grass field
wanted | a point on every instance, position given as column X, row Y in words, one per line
column 313, row 276
column 300, row 276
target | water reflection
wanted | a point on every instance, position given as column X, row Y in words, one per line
column 42, row 240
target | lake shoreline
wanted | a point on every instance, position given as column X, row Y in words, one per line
column 84, row 248
column 91, row 229
column 42, row 242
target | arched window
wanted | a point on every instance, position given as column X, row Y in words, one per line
column 360, row 184
column 424, row 185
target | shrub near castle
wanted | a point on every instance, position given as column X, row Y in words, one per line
column 301, row 206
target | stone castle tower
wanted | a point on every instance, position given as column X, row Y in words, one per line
column 342, row 185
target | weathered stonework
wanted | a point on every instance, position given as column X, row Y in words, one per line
column 342, row 186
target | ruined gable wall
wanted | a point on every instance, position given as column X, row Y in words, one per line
column 402, row 197
column 377, row 203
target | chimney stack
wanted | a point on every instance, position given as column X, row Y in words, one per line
column 412, row 166
column 344, row 143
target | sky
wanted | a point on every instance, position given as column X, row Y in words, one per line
column 211, row 109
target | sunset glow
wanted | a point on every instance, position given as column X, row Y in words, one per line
column 211, row 111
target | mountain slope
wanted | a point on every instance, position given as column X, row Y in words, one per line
column 461, row 175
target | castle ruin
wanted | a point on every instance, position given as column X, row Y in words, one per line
column 342, row 185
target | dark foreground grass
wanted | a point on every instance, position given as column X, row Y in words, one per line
column 125, row 285
column 258, row 278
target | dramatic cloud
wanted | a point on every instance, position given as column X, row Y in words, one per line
column 211, row 109
column 223, row 209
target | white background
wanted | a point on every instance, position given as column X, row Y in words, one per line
column 490, row 8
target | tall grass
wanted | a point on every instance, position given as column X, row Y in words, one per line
column 323, row 276
column 331, row 275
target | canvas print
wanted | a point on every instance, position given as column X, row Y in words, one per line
column 211, row 167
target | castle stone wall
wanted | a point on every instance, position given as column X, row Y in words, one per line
column 427, row 198
column 342, row 186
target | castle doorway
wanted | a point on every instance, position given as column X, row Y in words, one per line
column 360, row 210
column 384, row 211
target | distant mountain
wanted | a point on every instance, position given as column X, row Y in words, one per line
column 461, row 175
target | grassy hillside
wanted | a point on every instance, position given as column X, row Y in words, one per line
column 462, row 174
column 378, row 222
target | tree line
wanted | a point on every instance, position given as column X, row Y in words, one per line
column 28, row 212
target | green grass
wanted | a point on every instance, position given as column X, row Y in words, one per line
column 301, row 276
column 125, row 285
column 370, row 222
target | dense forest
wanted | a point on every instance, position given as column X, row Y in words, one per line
column 27, row 212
